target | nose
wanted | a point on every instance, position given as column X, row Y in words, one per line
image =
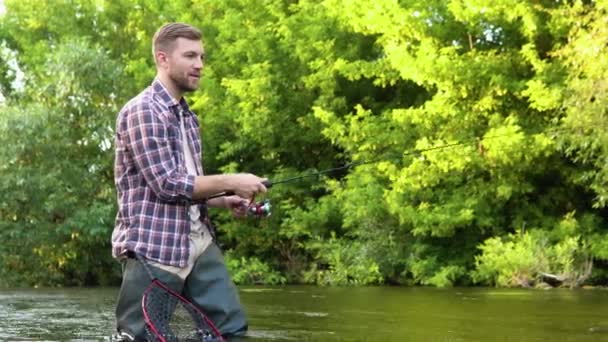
column 198, row 64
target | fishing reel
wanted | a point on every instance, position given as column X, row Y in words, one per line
column 254, row 209
column 259, row 209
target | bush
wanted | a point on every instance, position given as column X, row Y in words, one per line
column 342, row 262
column 249, row 271
column 533, row 257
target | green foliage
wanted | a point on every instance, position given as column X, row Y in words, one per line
column 447, row 276
column 586, row 120
column 252, row 271
column 523, row 259
column 342, row 262
column 515, row 262
column 56, row 176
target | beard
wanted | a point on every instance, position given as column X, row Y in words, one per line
column 182, row 83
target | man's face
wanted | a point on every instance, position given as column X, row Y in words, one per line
column 185, row 64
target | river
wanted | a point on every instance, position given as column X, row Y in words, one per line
column 308, row 313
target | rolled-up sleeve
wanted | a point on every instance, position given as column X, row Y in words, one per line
column 147, row 138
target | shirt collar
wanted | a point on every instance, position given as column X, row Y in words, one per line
column 161, row 92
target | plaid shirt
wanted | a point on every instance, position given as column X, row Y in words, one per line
column 153, row 186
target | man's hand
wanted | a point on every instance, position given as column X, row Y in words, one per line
column 246, row 185
column 237, row 204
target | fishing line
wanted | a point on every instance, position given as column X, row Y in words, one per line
column 317, row 174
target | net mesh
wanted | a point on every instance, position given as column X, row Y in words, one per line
column 170, row 317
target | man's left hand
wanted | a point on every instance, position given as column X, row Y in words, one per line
column 238, row 205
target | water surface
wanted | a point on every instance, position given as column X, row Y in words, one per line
column 306, row 313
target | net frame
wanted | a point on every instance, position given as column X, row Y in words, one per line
column 159, row 329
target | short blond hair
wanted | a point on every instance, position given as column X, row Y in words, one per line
column 166, row 36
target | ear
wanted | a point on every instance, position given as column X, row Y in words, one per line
column 162, row 58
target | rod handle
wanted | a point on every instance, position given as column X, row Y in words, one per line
column 267, row 184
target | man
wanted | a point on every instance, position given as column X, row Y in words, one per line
column 162, row 214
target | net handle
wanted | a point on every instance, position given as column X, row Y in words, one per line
column 143, row 261
column 155, row 281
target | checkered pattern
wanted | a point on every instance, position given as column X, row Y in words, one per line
column 153, row 186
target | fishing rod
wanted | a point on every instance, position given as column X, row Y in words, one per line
column 262, row 209
column 317, row 174
column 353, row 164
column 268, row 184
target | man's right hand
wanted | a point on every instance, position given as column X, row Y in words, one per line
column 247, row 185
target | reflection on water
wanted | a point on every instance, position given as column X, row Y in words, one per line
column 55, row 314
column 300, row 313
